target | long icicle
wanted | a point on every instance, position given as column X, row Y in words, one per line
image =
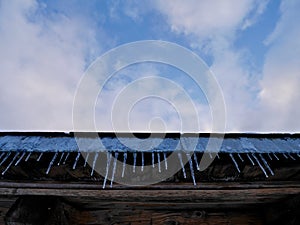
column 285, row 156
column 61, row 157
column 261, row 167
column 52, row 162
column 158, row 161
column 134, row 161
column 181, row 163
column 66, row 158
column 28, row 156
column 166, row 160
column 250, row 159
column 196, row 161
column 235, row 163
column 108, row 160
column 5, row 158
column 11, row 162
column 2, row 154
column 153, row 160
column 191, row 168
column 124, row 163
column 266, row 164
column 94, row 162
column 40, row 156
column 275, row 156
column 142, row 168
column 270, row 156
column 114, row 169
column 19, row 160
column 76, row 160
column 86, row 159
column 289, row 154
column 240, row 157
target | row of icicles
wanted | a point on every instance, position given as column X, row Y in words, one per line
column 253, row 158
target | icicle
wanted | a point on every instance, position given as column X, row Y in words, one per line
column 153, row 165
column 210, row 155
column 5, row 158
column 124, row 163
column 297, row 155
column 28, row 156
column 191, row 168
column 266, row 164
column 86, row 159
column 134, row 161
column 51, row 163
column 76, row 160
column 158, row 161
column 67, row 156
column 289, row 154
column 235, row 163
column 40, row 156
column 261, row 167
column 240, row 157
column 275, row 156
column 166, row 160
column 253, row 164
column 11, row 162
column 2, row 154
column 108, row 155
column 142, row 168
column 270, row 156
column 285, row 156
column 196, row 161
column 114, row 169
column 94, row 162
column 19, row 160
column 61, row 157
column 218, row 156
column 181, row 163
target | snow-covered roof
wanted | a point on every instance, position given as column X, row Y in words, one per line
column 232, row 143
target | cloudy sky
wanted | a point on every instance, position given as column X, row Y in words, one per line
column 252, row 47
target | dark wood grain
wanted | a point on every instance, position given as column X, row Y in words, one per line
column 211, row 194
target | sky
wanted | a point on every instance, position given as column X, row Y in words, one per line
column 252, row 48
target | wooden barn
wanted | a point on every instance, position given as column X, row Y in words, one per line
column 47, row 179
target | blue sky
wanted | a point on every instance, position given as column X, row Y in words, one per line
column 252, row 48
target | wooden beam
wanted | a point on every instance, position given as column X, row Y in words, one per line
column 161, row 186
column 209, row 203
column 208, row 194
column 36, row 210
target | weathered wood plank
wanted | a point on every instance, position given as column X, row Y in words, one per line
column 251, row 196
column 5, row 204
column 166, row 217
column 50, row 210
column 213, row 203
column 56, row 210
column 39, row 210
column 160, row 186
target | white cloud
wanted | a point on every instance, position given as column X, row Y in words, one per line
column 139, row 94
column 42, row 59
column 280, row 96
column 208, row 18
column 43, row 56
column 212, row 27
column 269, row 104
